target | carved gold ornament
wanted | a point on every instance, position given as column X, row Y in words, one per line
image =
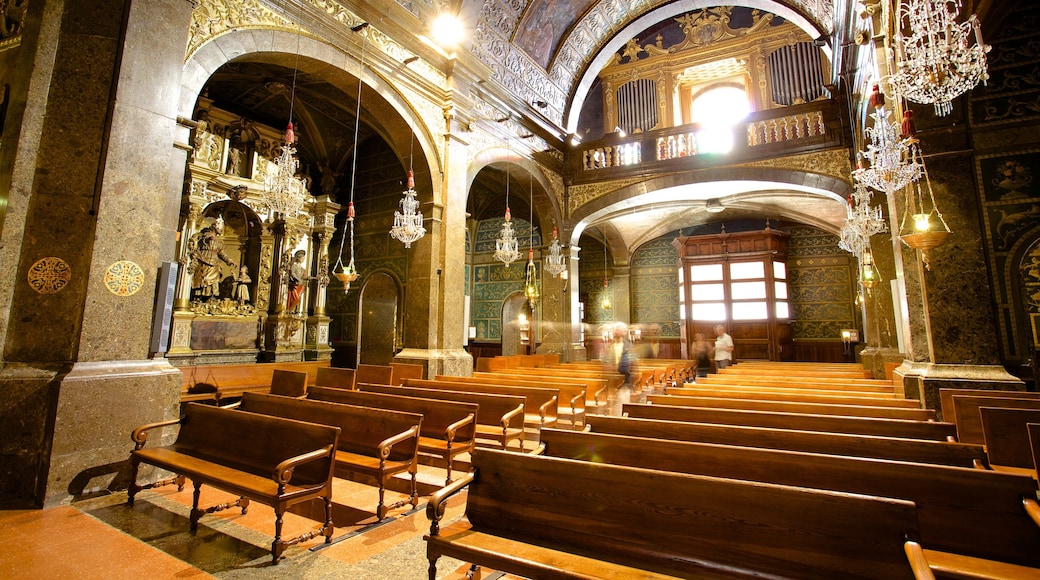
column 124, row 278
column 49, row 275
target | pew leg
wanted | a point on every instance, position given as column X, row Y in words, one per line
column 381, row 509
column 473, row 573
column 447, row 480
column 433, row 569
column 415, row 490
column 243, row 502
column 329, row 526
column 134, row 488
column 277, row 547
column 196, row 513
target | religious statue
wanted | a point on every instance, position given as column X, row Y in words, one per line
column 297, row 280
column 242, row 285
column 206, row 258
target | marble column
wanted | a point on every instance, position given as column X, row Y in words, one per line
column 101, row 204
column 434, row 317
column 317, row 346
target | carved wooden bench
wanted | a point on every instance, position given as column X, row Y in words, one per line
column 1007, row 438
column 274, row 461
column 339, row 378
column 968, row 419
column 541, row 404
column 946, row 398
column 864, row 385
column 448, row 427
column 572, row 395
column 894, row 448
column 595, row 388
column 932, row 430
column 375, row 442
column 966, row 512
column 813, row 408
column 543, row 517
column 500, row 418
column 217, row 383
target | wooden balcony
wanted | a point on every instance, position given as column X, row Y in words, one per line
column 815, row 126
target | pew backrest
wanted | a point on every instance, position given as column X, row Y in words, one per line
column 1034, row 443
column 288, row 383
column 339, row 378
column 965, row 511
column 685, row 525
column 946, row 398
column 373, row 374
column 1007, row 436
column 969, row 420
column 897, row 449
column 539, row 402
column 401, row 371
column 794, row 407
column 931, row 430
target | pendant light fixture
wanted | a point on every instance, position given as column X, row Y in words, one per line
column 283, row 192
column 408, row 223
column 531, row 276
column 348, row 274
column 507, row 248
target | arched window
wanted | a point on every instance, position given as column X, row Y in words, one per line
column 716, row 110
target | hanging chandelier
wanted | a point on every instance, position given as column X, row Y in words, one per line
column 555, row 262
column 283, row 192
column 861, row 222
column 531, row 280
column 408, row 223
column 349, row 273
column 507, row 248
column 936, row 58
column 926, row 228
column 888, row 162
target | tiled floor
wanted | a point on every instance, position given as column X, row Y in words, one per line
column 105, row 538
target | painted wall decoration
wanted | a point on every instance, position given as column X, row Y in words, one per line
column 655, row 286
column 544, row 23
column 49, row 275
column 820, row 284
column 124, row 278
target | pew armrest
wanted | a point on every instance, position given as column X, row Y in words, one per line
column 140, row 434
column 596, row 395
column 1032, row 508
column 578, row 401
column 438, row 500
column 387, row 445
column 918, row 561
column 545, row 410
column 950, row 565
column 234, row 405
column 283, row 472
column 508, row 417
column 449, row 432
column 539, row 450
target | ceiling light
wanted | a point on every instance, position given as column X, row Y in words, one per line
column 447, row 31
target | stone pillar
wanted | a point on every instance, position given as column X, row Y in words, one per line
column 100, row 206
column 621, row 293
column 577, row 346
column 434, row 321
column 555, row 316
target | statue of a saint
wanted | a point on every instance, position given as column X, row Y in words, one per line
column 206, row 258
column 242, row 285
column 298, row 277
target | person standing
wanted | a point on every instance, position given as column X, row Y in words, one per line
column 723, row 348
column 701, row 355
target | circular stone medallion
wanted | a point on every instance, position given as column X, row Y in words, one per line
column 124, row 278
column 49, row 275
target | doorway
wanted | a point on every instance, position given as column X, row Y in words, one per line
column 514, row 333
column 377, row 326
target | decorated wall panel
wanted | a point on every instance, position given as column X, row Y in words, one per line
column 655, row 286
column 493, row 282
column 820, row 283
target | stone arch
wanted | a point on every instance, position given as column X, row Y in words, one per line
column 380, row 98
column 547, row 206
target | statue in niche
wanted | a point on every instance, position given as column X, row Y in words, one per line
column 206, row 259
column 242, row 137
column 242, row 286
column 298, row 277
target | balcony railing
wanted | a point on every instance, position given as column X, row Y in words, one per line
column 765, row 134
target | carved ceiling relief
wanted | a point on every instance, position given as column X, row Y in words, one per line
column 834, row 163
column 583, row 194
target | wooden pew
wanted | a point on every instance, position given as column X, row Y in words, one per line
column 968, row 512
column 541, row 404
column 792, row 372
column 401, row 371
column 969, row 420
column 277, row 462
column 544, row 517
column 794, row 407
column 859, row 385
column 612, row 379
column 794, row 395
column 946, row 398
column 288, row 383
column 448, row 427
column 931, row 430
column 595, row 388
column 837, row 391
column 894, row 448
column 339, row 378
column 499, row 417
column 374, row 442
column 1034, row 443
column 216, row 383
column 572, row 395
column 1007, row 438
column 373, row 374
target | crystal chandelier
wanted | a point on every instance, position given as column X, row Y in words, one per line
column 283, row 192
column 936, row 58
column 507, row 248
column 555, row 262
column 861, row 222
column 890, row 160
column 408, row 223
